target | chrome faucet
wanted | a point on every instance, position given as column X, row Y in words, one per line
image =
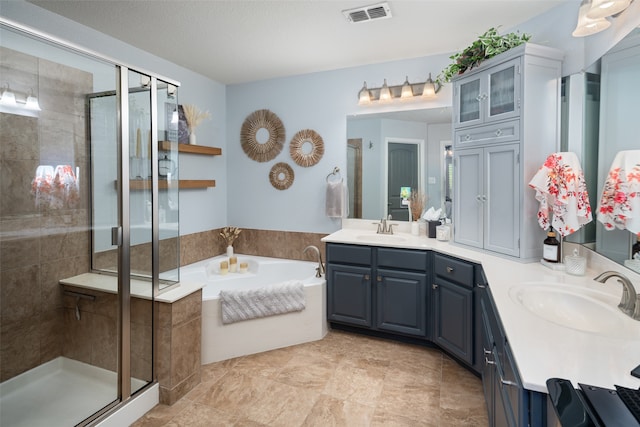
column 629, row 303
column 384, row 227
column 320, row 269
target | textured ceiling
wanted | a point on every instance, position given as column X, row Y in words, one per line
column 241, row 41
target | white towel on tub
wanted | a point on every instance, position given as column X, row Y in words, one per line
column 238, row 305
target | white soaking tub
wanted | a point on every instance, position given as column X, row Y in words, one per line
column 224, row 341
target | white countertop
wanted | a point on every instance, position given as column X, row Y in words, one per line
column 139, row 288
column 542, row 349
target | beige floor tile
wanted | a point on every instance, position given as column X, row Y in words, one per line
column 343, row 380
column 309, row 371
column 328, row 412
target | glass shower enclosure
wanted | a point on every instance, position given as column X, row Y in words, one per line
column 88, row 189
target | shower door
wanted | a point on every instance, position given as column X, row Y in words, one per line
column 80, row 192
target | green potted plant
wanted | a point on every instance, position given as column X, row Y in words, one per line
column 486, row 46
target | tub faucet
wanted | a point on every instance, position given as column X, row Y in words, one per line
column 629, row 303
column 320, row 269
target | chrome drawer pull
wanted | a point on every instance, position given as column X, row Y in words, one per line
column 467, row 137
column 366, row 277
column 379, row 278
column 499, row 132
column 449, row 269
column 488, row 362
column 434, row 286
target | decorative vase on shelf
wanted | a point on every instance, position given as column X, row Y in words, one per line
column 192, row 138
column 415, row 228
column 229, row 251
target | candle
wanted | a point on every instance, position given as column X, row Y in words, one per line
column 224, row 267
column 244, row 266
column 233, row 264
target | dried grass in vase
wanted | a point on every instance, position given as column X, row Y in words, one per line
column 418, row 201
column 194, row 116
column 230, row 234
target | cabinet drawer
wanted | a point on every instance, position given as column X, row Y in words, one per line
column 349, row 254
column 454, row 270
column 488, row 134
column 403, row 259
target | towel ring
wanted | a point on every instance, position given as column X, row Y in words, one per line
column 335, row 172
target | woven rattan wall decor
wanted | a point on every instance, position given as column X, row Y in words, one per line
column 281, row 176
column 262, row 119
column 298, row 148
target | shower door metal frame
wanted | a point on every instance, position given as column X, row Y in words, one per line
column 124, row 267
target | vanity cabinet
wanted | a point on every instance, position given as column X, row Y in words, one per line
column 508, row 402
column 452, row 296
column 487, row 211
column 381, row 289
column 507, row 122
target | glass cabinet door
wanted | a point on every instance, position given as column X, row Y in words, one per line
column 503, row 91
column 468, row 100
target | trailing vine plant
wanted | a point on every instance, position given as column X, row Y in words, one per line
column 486, row 46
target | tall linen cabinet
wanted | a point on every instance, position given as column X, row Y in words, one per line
column 506, row 122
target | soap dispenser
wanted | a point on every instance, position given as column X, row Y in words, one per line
column 551, row 248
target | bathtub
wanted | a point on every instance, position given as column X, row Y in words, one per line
column 221, row 342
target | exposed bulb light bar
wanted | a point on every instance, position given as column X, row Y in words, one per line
column 8, row 98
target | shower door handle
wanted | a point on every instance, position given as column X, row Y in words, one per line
column 116, row 236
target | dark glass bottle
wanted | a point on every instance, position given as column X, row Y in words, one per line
column 635, row 249
column 551, row 248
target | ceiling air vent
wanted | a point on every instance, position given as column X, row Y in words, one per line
column 368, row 13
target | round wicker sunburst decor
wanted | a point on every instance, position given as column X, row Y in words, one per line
column 281, row 176
column 262, row 120
column 300, row 151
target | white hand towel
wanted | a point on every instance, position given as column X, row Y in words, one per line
column 335, row 200
column 560, row 185
column 620, row 201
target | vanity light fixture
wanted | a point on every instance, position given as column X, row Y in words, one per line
column 404, row 92
column 587, row 26
column 8, row 97
column 606, row 8
column 32, row 103
column 171, row 90
column 385, row 93
column 429, row 90
column 364, row 96
column 407, row 90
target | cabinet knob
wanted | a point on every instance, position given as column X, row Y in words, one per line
column 449, row 269
column 379, row 278
column 434, row 286
column 499, row 132
column 366, row 277
column 467, row 137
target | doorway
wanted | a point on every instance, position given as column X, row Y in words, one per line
column 404, row 168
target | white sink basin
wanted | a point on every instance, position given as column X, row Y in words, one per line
column 579, row 309
column 381, row 238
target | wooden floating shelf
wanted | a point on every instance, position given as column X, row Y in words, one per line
column 191, row 149
column 145, row 184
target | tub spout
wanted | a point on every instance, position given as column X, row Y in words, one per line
column 320, row 269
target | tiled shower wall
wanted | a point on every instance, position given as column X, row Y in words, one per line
column 39, row 245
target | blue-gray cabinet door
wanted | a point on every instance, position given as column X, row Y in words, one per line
column 453, row 319
column 349, row 295
column 468, row 207
column 401, row 302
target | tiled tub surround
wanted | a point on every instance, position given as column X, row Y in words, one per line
column 39, row 244
column 268, row 243
column 221, row 342
column 542, row 349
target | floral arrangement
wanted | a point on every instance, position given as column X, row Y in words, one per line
column 486, row 46
column 230, row 234
column 194, row 116
column 417, row 203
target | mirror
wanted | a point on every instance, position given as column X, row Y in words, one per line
column 610, row 125
column 391, row 150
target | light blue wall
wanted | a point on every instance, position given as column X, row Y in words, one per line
column 200, row 209
column 320, row 101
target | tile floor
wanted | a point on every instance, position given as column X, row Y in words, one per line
column 343, row 380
